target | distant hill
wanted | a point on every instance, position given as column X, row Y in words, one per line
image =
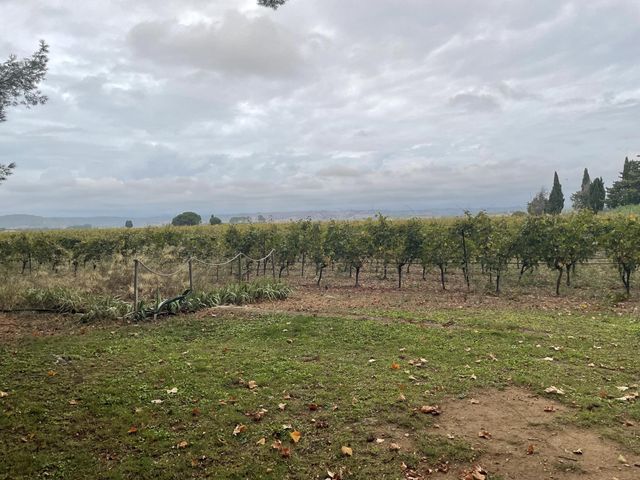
column 20, row 222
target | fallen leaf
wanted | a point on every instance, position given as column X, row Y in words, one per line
column 73, row 402
column 401, row 398
column 577, row 451
column 295, row 436
column 195, row 412
column 239, row 429
column 313, row 407
column 132, row 430
column 282, row 406
column 172, row 391
column 52, row 373
column 395, row 366
column 621, row 459
column 555, row 390
column 156, row 401
column 276, row 445
column 550, row 408
column 183, row 444
column 430, row 410
column 484, row 434
column 347, row 451
column 379, row 440
column 531, row 449
column 473, row 401
column 285, row 452
column 252, row 384
column 394, row 447
column 262, row 441
column 4, row 394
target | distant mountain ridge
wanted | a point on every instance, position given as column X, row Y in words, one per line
column 27, row 222
column 19, row 221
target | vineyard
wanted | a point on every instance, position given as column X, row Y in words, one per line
column 480, row 252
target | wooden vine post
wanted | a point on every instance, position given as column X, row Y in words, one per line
column 136, row 263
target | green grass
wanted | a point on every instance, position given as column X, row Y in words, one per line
column 113, row 376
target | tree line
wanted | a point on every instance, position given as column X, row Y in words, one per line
column 592, row 194
column 492, row 245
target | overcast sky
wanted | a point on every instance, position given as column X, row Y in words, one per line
column 159, row 106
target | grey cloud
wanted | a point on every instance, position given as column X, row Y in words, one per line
column 235, row 44
column 475, row 102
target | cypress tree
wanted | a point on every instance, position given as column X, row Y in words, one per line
column 626, row 169
column 597, row 195
column 580, row 199
column 556, row 198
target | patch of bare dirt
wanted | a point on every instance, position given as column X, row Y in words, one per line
column 522, row 439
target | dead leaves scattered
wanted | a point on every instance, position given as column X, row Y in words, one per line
column 295, row 436
column 395, row 366
column 477, row 473
column 132, row 430
column 4, row 394
column 251, row 385
column 484, row 434
column 183, row 444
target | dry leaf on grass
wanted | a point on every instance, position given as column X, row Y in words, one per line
column 531, row 449
column 252, row 384
column 172, row 391
column 295, row 436
column 395, row 366
column 550, row 409
column 430, row 410
column 4, row 394
column 555, row 390
column 183, row 444
column 156, row 401
column 484, row 434
column 394, row 447
column 239, row 429
column 262, row 441
column 52, row 373
column 347, row 451
column 282, row 406
column 132, row 430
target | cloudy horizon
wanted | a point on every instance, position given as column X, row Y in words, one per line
column 223, row 106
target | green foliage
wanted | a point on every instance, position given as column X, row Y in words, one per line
column 186, row 219
column 626, row 191
column 556, row 197
column 597, row 194
column 539, row 204
column 19, row 82
column 622, row 244
column 580, row 199
column 64, row 300
column 272, row 3
column 128, row 224
column 214, row 220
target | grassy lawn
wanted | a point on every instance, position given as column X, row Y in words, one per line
column 82, row 405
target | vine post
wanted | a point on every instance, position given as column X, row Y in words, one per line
column 191, row 275
column 136, row 264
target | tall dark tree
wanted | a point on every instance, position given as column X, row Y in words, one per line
column 626, row 191
column 556, row 197
column 19, row 82
column 128, row 224
column 580, row 199
column 272, row 3
column 597, row 194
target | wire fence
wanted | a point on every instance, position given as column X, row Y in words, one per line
column 188, row 267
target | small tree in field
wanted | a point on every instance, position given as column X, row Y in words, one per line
column 539, row 204
column 622, row 244
column 186, row 219
column 440, row 249
column 556, row 197
column 406, row 244
column 214, row 220
column 128, row 224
